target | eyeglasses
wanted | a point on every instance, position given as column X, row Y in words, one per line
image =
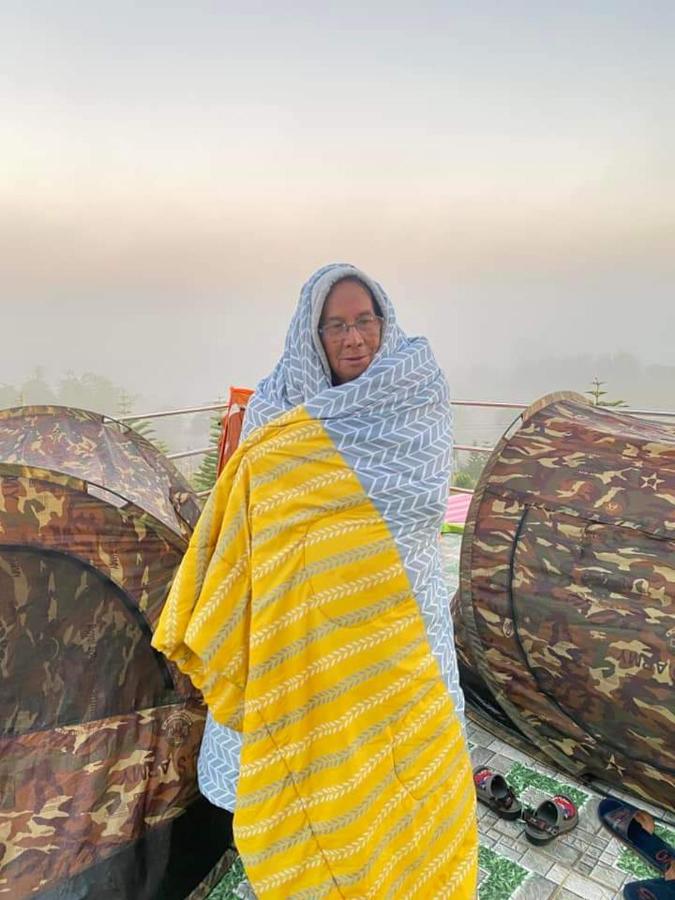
column 367, row 326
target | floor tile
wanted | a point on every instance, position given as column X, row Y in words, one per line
column 608, row 876
column 535, row 888
column 586, row 888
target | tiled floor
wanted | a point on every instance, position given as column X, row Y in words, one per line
column 586, row 864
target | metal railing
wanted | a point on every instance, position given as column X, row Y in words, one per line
column 172, row 412
column 462, row 448
column 185, row 453
column 498, row 404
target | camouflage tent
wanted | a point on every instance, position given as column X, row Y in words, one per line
column 565, row 616
column 99, row 734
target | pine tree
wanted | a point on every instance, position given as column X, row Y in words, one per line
column 144, row 427
column 36, row 390
column 205, row 476
column 88, row 391
column 9, row 396
column 596, row 393
column 467, row 476
column 464, row 480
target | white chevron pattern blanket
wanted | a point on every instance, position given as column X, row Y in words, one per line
column 393, row 427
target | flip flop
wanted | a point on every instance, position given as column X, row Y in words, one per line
column 653, row 889
column 550, row 819
column 493, row 791
column 619, row 818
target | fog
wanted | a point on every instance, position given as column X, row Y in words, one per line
column 170, row 177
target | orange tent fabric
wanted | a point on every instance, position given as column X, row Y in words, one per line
column 233, row 419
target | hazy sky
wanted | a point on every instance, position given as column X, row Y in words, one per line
column 170, row 173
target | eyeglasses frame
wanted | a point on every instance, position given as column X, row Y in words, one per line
column 347, row 327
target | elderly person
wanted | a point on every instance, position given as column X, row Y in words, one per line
column 311, row 611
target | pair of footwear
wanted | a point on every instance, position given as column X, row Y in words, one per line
column 651, row 889
column 553, row 817
column 635, row 828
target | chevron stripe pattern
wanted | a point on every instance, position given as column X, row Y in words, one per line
column 393, row 428
column 355, row 777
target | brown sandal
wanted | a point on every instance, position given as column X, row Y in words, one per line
column 550, row 819
column 493, row 790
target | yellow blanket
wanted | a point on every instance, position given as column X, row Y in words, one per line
column 292, row 612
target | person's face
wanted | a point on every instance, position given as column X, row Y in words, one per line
column 349, row 354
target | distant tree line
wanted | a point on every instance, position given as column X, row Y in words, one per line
column 643, row 384
column 469, row 466
column 87, row 391
column 100, row 394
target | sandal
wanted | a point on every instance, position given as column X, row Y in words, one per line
column 635, row 828
column 653, row 889
column 493, row 790
column 550, row 819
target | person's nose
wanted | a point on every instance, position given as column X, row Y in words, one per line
column 353, row 338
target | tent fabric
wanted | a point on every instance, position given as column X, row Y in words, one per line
column 566, row 607
column 103, row 452
column 99, row 734
column 232, row 422
column 293, row 613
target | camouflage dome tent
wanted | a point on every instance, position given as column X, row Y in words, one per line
column 99, row 734
column 565, row 614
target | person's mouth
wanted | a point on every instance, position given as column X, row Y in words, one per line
column 353, row 360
